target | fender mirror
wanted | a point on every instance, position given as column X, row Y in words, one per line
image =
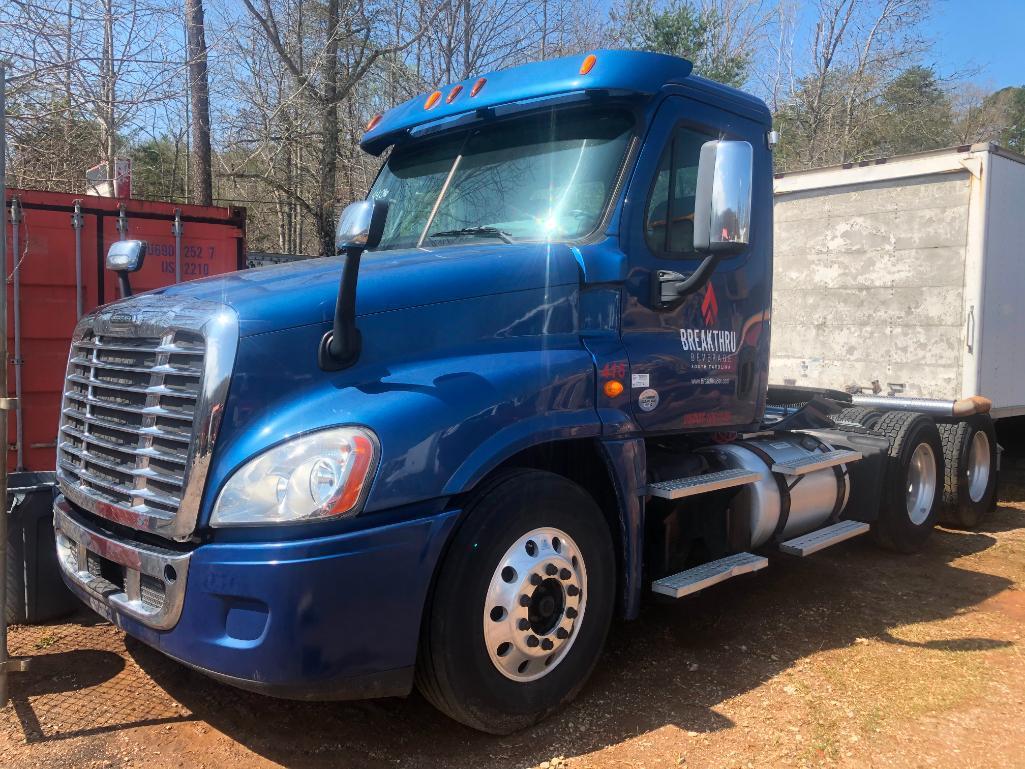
column 126, row 255
column 123, row 257
column 722, row 200
column 360, row 227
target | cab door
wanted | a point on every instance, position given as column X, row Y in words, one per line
column 699, row 363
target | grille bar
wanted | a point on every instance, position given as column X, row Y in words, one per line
column 158, row 411
column 75, row 414
column 151, row 452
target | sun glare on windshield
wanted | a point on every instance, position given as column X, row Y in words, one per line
column 537, row 178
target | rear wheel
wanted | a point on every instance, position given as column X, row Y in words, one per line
column 970, row 454
column 521, row 606
column 857, row 415
column 912, row 483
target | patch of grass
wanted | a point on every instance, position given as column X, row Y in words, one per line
column 46, row 641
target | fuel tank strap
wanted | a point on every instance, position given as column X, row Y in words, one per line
column 781, row 483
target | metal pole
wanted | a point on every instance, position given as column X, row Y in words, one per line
column 122, row 222
column 3, row 387
column 19, row 440
column 76, row 225
column 176, row 230
column 6, row 663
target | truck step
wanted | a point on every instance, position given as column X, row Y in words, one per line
column 708, row 574
column 700, row 484
column 823, row 538
column 816, row 461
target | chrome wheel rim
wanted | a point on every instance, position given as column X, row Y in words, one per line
column 535, row 604
column 921, row 483
column 978, row 466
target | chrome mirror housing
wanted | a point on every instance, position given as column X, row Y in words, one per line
column 126, row 255
column 722, row 200
column 361, row 225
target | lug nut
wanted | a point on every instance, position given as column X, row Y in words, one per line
column 572, row 590
column 551, row 570
column 535, row 579
column 571, row 612
column 524, row 600
column 547, row 644
column 532, row 641
column 565, row 574
column 562, row 633
column 523, row 624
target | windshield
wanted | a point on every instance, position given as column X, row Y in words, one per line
column 543, row 177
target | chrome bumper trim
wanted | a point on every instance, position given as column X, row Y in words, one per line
column 76, row 541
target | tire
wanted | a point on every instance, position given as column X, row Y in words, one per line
column 912, row 484
column 970, row 480
column 456, row 672
column 859, row 415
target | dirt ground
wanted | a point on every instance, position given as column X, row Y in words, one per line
column 852, row 657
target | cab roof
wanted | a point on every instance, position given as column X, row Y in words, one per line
column 614, row 72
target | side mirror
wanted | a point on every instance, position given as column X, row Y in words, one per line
column 722, row 200
column 126, row 255
column 123, row 257
column 361, row 225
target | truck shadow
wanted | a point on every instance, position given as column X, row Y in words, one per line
column 673, row 667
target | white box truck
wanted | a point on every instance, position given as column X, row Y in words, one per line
column 904, row 276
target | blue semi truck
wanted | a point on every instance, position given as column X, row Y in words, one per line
column 529, row 393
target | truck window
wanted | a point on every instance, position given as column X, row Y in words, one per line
column 669, row 219
column 535, row 178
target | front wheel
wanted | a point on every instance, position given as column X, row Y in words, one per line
column 521, row 606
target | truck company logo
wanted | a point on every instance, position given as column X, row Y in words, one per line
column 710, row 306
column 121, row 319
column 709, row 339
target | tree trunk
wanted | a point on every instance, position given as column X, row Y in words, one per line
column 329, row 134
column 108, row 128
column 202, row 173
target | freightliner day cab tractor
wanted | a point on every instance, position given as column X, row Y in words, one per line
column 530, row 391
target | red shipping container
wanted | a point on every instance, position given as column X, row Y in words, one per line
column 212, row 243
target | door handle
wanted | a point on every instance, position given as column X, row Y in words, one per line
column 970, row 329
column 669, row 288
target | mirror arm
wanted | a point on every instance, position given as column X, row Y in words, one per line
column 669, row 289
column 124, row 285
column 340, row 347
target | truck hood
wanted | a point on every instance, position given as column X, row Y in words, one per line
column 304, row 292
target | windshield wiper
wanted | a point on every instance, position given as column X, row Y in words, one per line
column 485, row 232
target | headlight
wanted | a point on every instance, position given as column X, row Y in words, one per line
column 317, row 476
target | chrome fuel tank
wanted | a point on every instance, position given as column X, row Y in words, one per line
column 777, row 505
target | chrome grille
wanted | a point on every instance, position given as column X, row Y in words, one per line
column 129, row 407
column 145, row 387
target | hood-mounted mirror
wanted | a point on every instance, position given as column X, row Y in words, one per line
column 360, row 227
column 123, row 257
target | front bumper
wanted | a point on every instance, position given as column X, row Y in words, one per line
column 328, row 618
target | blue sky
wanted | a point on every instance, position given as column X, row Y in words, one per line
column 988, row 35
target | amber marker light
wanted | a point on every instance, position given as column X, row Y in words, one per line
column 588, row 64
column 613, row 388
column 453, row 94
column 477, row 86
column 432, row 100
column 373, row 122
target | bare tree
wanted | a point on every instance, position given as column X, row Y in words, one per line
column 857, row 48
column 199, row 95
